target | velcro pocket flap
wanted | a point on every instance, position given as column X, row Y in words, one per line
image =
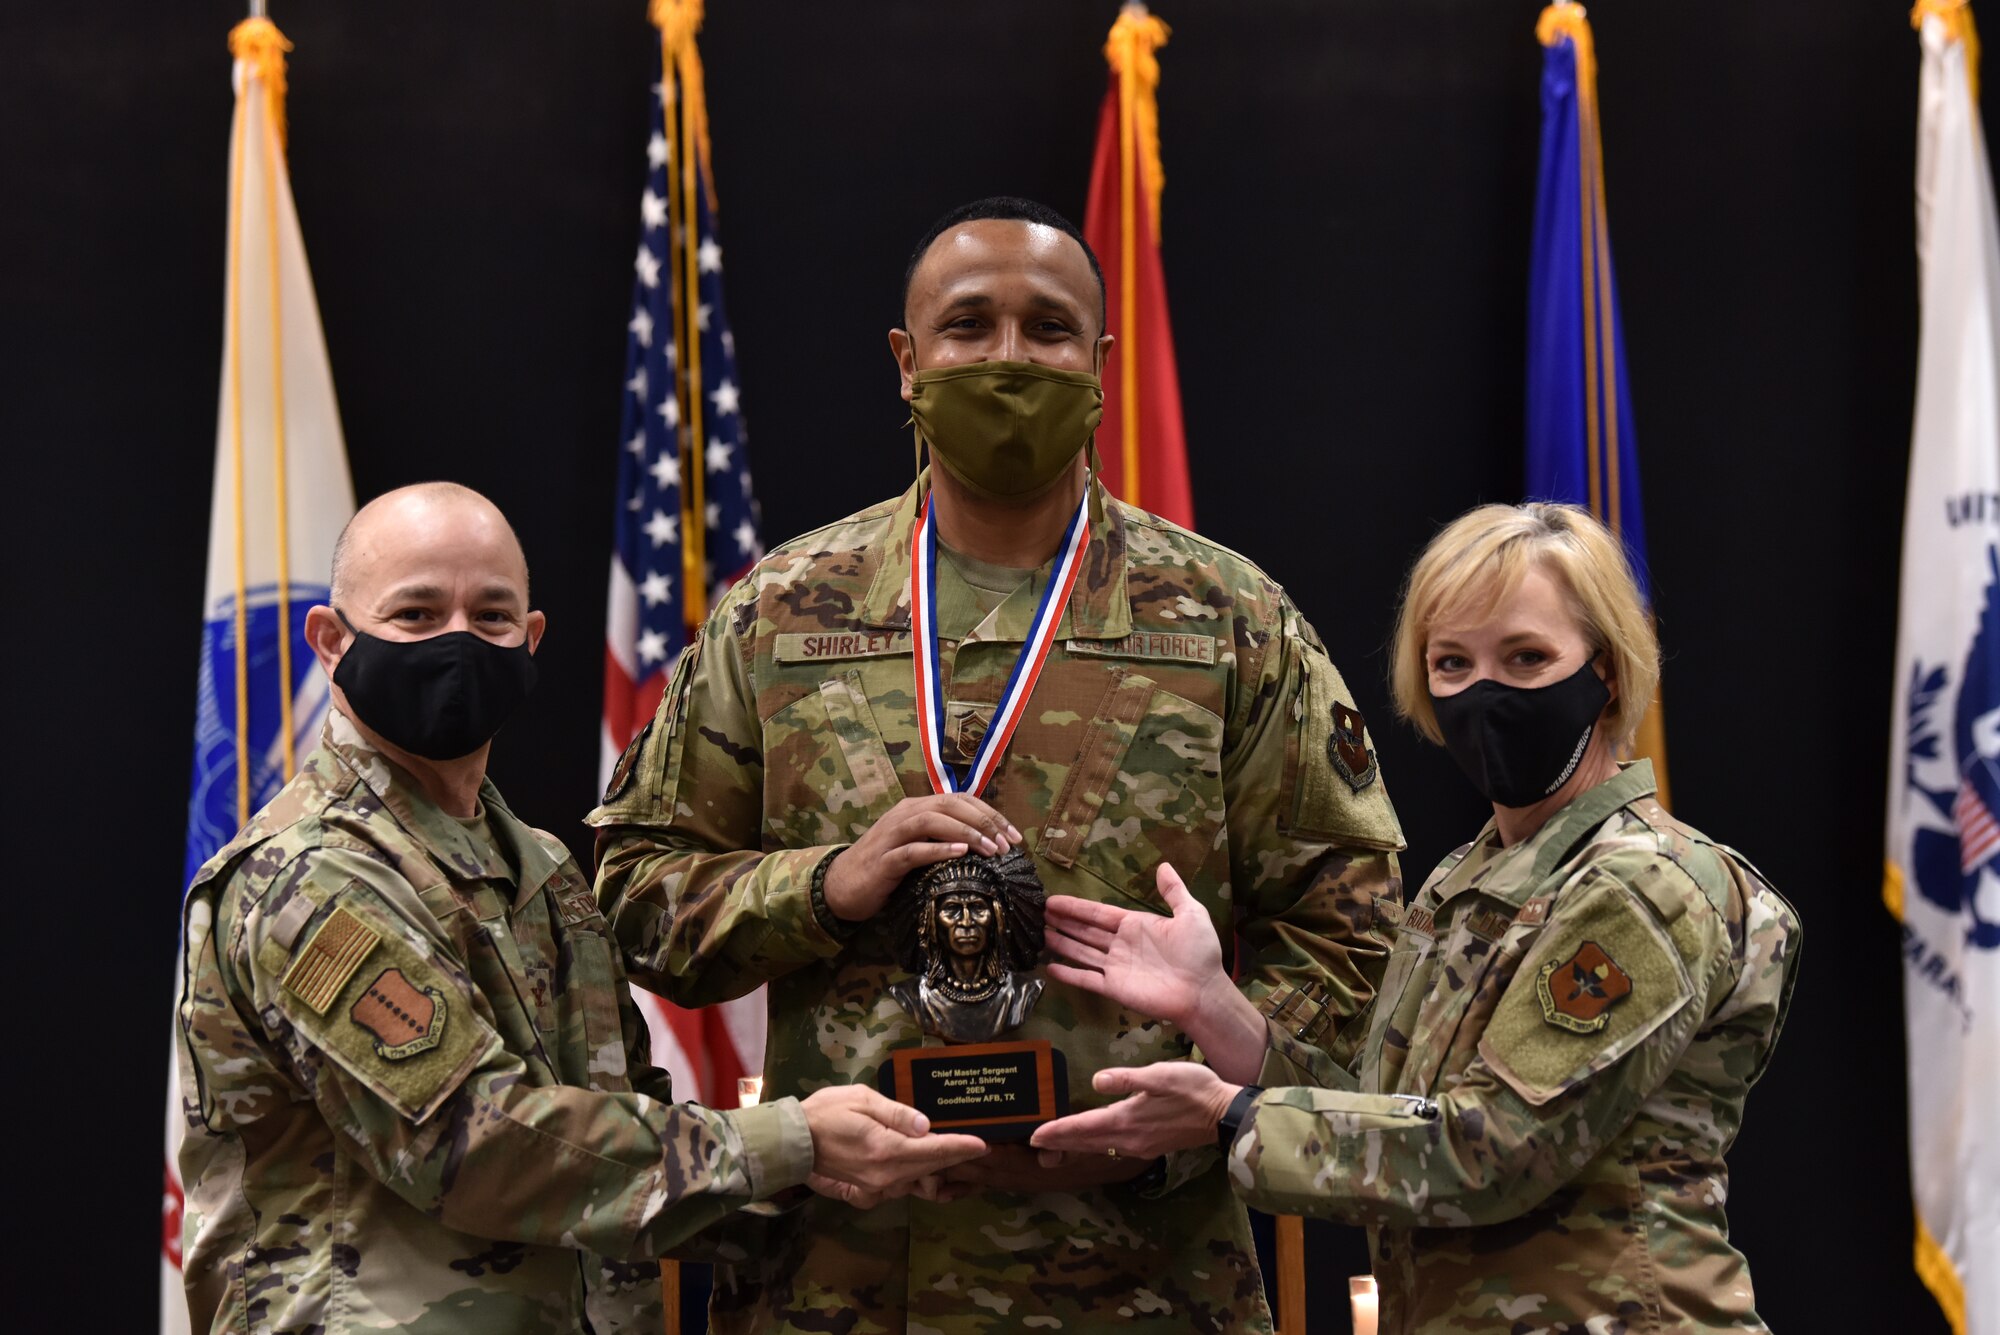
column 1333, row 789
column 1600, row 980
column 368, row 993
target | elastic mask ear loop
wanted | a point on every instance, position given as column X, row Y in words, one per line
column 917, row 432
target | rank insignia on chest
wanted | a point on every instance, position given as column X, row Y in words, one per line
column 966, row 725
column 1578, row 993
column 404, row 1018
column 1348, row 748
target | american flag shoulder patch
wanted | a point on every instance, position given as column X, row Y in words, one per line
column 329, row 959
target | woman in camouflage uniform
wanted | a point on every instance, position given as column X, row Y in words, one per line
column 1531, row 1117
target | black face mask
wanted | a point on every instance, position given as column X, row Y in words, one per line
column 1519, row 744
column 439, row 698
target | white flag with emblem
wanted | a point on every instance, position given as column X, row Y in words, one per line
column 280, row 498
column 1943, row 837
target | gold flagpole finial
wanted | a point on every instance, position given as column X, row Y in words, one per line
column 1956, row 15
column 1131, row 49
column 677, row 20
column 1564, row 18
column 257, row 42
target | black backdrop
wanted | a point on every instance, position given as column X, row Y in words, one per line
column 1346, row 227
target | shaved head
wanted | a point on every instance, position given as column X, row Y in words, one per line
column 416, row 563
column 392, row 519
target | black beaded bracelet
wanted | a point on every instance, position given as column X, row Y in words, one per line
column 834, row 927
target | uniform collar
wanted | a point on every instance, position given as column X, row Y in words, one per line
column 459, row 855
column 1513, row 874
column 1099, row 607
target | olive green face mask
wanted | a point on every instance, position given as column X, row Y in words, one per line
column 1004, row 429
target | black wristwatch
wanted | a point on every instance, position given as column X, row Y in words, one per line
column 1232, row 1117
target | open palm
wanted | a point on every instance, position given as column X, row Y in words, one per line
column 1149, row 963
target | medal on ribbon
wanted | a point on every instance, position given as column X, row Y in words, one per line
column 969, row 929
column 1027, row 668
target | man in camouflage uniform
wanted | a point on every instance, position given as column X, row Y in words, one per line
column 417, row 1091
column 1187, row 712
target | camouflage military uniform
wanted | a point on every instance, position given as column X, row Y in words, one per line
column 416, row 1088
column 1566, row 1032
column 1187, row 713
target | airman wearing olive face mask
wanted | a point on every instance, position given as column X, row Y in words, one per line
column 1005, row 430
column 1098, row 690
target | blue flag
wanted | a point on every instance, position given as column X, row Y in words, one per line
column 1581, row 445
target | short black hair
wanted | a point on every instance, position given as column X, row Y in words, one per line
column 1003, row 208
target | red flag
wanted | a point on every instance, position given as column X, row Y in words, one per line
column 1142, row 441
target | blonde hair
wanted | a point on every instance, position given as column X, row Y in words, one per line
column 1477, row 562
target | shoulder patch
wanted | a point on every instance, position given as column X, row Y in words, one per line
column 329, row 959
column 1331, row 788
column 405, row 1019
column 1577, row 993
column 628, row 764
column 648, row 765
column 1601, row 980
column 1348, row 747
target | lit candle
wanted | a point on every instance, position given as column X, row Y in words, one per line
column 750, row 1091
column 1362, row 1299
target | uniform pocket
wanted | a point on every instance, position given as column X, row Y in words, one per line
column 592, row 982
column 1146, row 789
column 1599, row 980
column 1332, row 785
column 827, row 774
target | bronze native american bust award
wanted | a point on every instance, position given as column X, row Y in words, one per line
column 969, row 931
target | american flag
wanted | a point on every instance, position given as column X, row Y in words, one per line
column 687, row 523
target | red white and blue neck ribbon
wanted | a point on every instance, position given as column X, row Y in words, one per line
column 1028, row 667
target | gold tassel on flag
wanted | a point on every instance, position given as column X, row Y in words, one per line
column 1956, row 16
column 1143, row 434
column 686, row 101
column 258, row 44
column 1130, row 49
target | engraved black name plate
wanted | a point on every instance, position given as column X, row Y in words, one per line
column 997, row 1091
